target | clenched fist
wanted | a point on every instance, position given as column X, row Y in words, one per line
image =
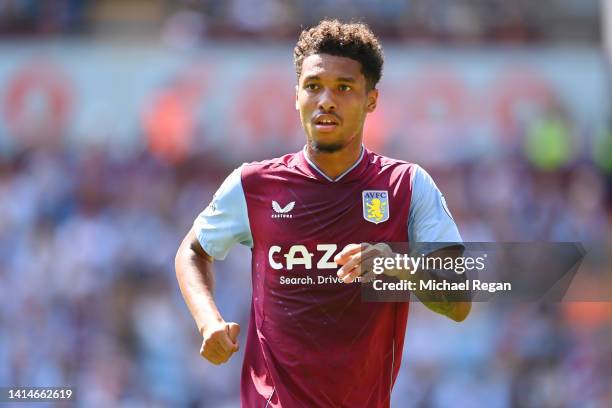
column 219, row 342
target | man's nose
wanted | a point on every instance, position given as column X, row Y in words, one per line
column 327, row 102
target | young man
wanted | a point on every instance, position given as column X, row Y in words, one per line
column 312, row 342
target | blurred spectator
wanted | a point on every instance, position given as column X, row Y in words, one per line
column 432, row 20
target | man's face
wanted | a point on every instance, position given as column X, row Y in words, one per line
column 333, row 101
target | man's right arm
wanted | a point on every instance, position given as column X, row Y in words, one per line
column 194, row 272
column 223, row 223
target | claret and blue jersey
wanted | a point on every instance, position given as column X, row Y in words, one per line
column 317, row 344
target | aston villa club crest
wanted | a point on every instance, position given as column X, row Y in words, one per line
column 375, row 205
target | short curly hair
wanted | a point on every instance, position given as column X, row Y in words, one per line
column 352, row 40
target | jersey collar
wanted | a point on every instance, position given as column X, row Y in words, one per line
column 316, row 171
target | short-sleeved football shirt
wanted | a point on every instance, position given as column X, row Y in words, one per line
column 311, row 341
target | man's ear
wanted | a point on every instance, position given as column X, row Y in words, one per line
column 372, row 99
column 297, row 107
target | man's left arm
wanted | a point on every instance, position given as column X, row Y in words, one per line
column 357, row 259
column 455, row 304
column 432, row 232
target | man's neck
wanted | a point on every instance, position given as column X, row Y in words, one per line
column 336, row 163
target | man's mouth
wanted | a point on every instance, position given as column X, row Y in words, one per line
column 326, row 123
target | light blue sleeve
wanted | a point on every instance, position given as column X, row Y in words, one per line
column 430, row 223
column 225, row 221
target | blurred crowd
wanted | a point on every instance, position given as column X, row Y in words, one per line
column 89, row 297
column 421, row 20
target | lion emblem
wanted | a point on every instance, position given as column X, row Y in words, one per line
column 376, row 209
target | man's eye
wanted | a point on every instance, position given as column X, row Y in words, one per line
column 344, row 87
column 312, row 87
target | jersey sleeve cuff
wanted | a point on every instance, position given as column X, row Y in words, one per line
column 209, row 247
column 426, row 248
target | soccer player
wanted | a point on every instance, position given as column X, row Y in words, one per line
column 304, row 215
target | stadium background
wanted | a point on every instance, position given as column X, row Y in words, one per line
column 120, row 118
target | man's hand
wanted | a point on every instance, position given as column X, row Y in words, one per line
column 219, row 342
column 356, row 258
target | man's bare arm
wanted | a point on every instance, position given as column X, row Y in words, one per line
column 194, row 272
column 455, row 305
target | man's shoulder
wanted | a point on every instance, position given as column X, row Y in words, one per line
column 383, row 162
column 287, row 160
column 263, row 168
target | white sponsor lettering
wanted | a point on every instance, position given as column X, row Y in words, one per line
column 329, row 249
column 299, row 255
column 274, row 249
column 305, row 258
